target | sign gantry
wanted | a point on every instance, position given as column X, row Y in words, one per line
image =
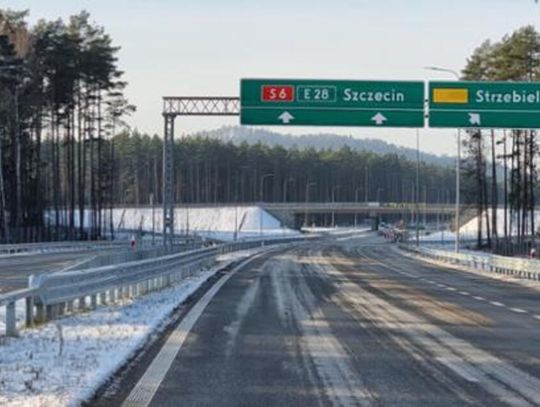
column 185, row 106
column 292, row 102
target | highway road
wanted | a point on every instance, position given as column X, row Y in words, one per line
column 345, row 322
column 14, row 270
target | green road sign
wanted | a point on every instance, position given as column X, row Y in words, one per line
column 331, row 103
column 510, row 105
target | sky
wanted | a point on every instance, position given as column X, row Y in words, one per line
column 204, row 47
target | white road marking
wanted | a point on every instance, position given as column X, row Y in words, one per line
column 145, row 389
column 298, row 307
column 500, row 378
column 537, row 317
column 479, row 298
column 242, row 309
column 450, row 288
column 497, row 303
column 459, row 367
column 519, row 310
column 464, row 293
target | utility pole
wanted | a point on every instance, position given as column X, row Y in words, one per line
column 153, row 219
column 285, row 183
column 356, row 200
column 366, row 183
column 417, row 191
column 334, row 189
column 458, row 189
column 458, row 161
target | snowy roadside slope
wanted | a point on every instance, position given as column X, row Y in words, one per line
column 45, row 368
column 216, row 222
column 469, row 231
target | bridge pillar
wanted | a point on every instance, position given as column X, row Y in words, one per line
column 375, row 220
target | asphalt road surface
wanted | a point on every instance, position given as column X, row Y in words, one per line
column 346, row 322
column 14, row 270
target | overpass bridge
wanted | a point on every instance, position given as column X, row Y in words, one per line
column 298, row 213
column 295, row 214
column 352, row 208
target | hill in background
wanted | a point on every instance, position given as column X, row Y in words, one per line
column 238, row 135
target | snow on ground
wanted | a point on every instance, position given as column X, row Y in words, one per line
column 336, row 230
column 471, row 227
column 469, row 231
column 63, row 362
column 218, row 222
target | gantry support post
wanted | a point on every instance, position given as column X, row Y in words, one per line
column 168, row 180
column 185, row 106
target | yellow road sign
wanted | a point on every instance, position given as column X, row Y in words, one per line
column 449, row 95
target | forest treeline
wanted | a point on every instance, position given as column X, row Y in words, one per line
column 213, row 171
column 61, row 100
column 516, row 57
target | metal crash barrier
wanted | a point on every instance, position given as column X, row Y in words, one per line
column 52, row 295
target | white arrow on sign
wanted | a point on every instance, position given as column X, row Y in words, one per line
column 379, row 119
column 474, row 119
column 286, row 117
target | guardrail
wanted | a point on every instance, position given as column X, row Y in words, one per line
column 59, row 246
column 52, row 295
column 112, row 257
column 522, row 268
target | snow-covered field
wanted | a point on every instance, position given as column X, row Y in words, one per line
column 217, row 222
column 63, row 362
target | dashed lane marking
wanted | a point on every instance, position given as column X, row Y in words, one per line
column 466, row 293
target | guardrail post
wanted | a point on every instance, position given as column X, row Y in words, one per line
column 93, row 301
column 82, row 303
column 11, row 320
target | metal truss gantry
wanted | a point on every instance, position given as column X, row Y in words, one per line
column 185, row 106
